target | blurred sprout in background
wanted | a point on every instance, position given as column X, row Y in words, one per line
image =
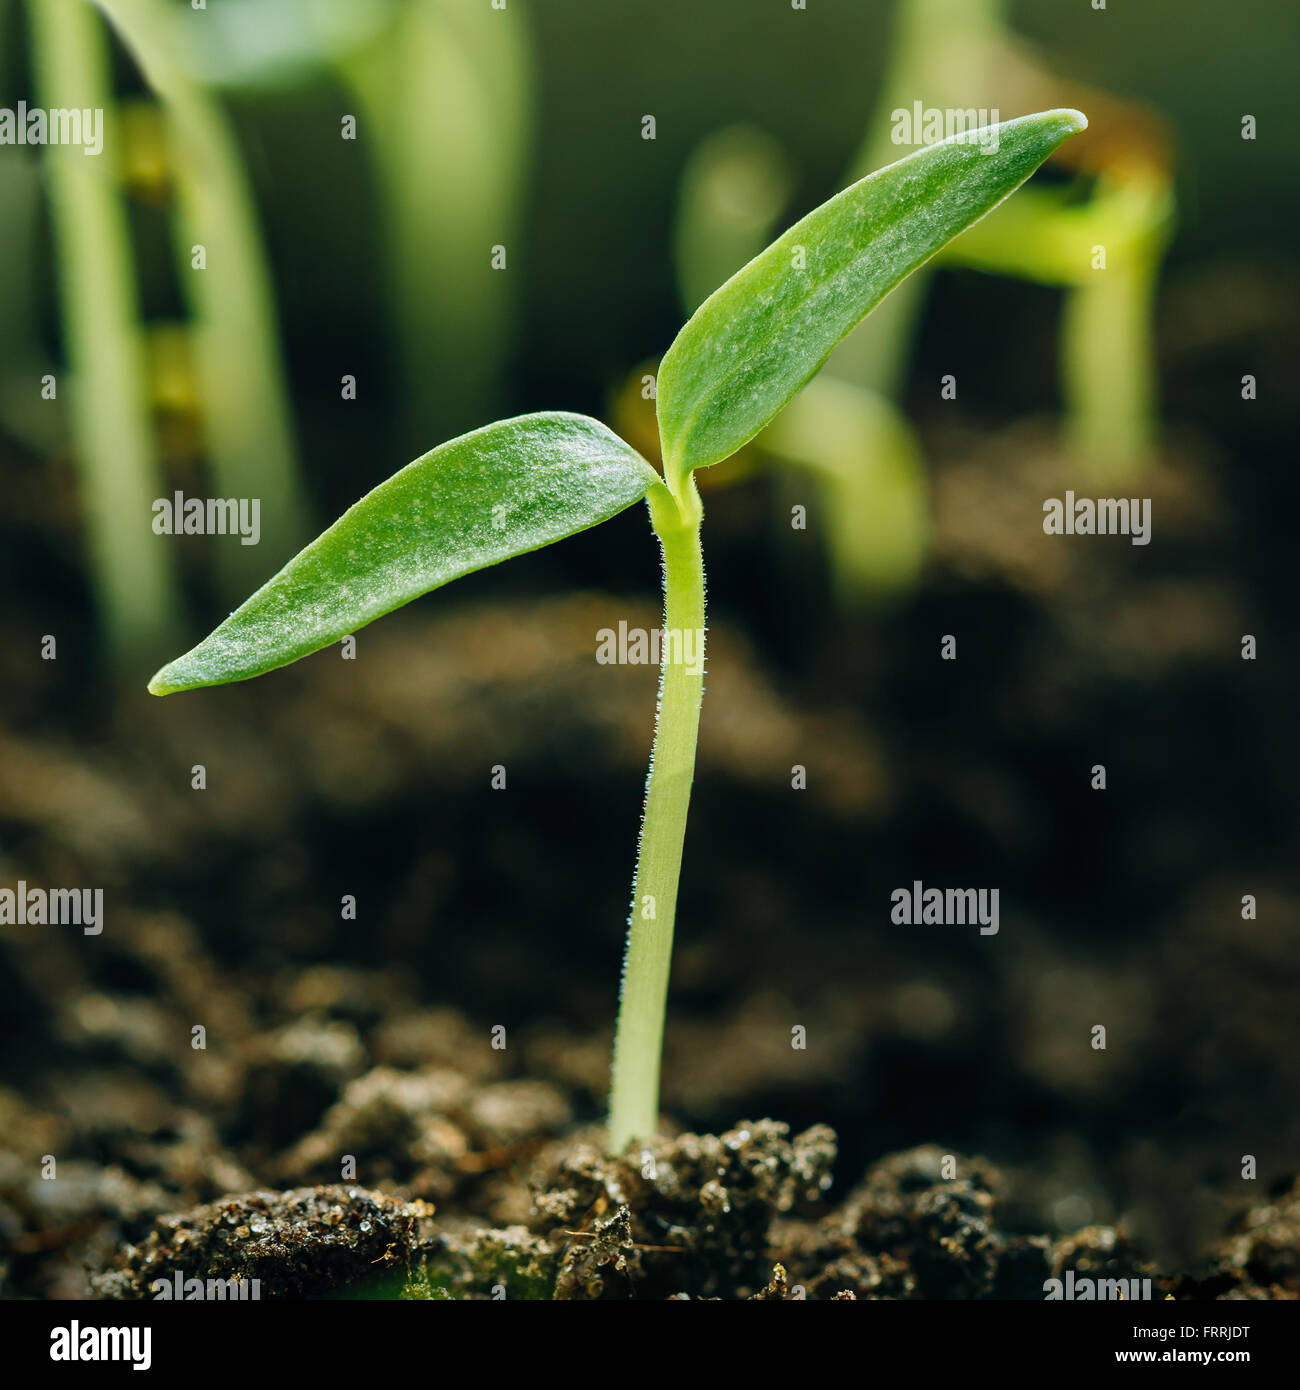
column 226, row 285
column 446, row 89
column 734, row 189
column 438, row 92
column 1099, row 237
column 107, row 394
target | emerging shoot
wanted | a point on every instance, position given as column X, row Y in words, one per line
column 520, row 484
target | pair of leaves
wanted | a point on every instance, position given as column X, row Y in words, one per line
column 520, row 484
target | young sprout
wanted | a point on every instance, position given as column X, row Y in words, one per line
column 520, row 484
column 112, row 438
column 246, row 417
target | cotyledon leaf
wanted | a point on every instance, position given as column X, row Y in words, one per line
column 753, row 344
column 500, row 491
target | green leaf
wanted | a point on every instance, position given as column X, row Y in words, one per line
column 752, row 345
column 500, row 491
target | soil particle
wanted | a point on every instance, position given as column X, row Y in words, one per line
column 1260, row 1258
column 698, row 1209
column 298, row 1244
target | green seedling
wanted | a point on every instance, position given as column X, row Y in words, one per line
column 226, row 284
column 520, row 484
column 99, row 302
column 449, row 209
column 848, row 434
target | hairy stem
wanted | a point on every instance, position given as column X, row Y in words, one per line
column 634, row 1084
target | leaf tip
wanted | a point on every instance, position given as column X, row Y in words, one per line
column 1072, row 122
column 170, row 679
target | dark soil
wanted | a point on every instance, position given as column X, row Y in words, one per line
column 389, row 1143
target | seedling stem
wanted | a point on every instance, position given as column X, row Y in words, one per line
column 634, row 1079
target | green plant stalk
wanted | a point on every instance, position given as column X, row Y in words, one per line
column 241, row 375
column 1110, row 376
column 638, row 1039
column 941, row 52
column 863, row 454
column 1108, row 352
column 444, row 66
column 732, row 191
column 108, row 413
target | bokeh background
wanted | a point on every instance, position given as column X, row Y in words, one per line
column 372, row 258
